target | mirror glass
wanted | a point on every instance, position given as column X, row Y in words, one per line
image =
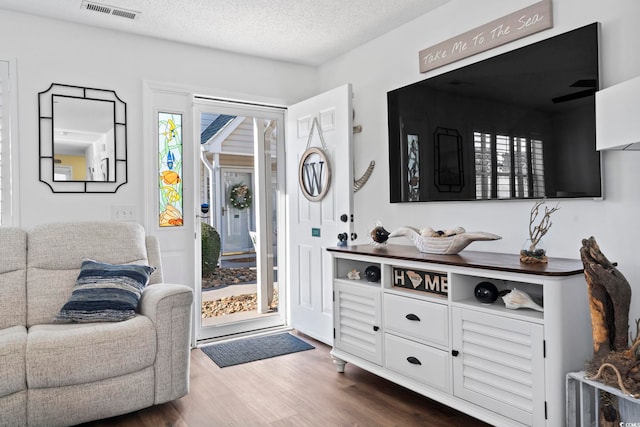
column 83, row 139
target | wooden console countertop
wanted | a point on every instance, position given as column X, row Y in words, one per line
column 484, row 260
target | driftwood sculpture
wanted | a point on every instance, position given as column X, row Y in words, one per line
column 614, row 362
column 609, row 300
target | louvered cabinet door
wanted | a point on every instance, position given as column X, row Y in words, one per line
column 499, row 364
column 357, row 320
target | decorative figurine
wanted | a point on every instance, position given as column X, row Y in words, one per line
column 379, row 235
column 448, row 242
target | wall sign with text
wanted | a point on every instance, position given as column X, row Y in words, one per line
column 433, row 282
column 514, row 26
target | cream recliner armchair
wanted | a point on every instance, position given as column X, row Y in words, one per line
column 58, row 374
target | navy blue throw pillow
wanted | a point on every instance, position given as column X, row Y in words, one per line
column 105, row 292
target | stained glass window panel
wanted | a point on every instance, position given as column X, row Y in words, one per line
column 170, row 169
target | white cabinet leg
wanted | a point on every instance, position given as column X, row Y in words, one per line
column 339, row 364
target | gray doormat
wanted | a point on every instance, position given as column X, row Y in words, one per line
column 256, row 348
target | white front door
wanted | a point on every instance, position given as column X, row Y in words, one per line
column 236, row 222
column 314, row 225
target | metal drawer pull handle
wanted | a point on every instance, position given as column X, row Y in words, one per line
column 413, row 360
column 412, row 316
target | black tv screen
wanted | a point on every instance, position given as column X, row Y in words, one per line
column 520, row 125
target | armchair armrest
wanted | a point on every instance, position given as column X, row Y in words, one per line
column 169, row 308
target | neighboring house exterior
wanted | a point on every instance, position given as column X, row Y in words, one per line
column 227, row 150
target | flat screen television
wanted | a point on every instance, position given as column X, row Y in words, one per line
column 520, row 125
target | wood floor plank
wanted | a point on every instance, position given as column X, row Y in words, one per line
column 300, row 389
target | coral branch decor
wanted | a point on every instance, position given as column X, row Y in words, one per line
column 532, row 252
column 170, row 169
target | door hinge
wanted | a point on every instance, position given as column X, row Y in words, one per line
column 544, row 348
column 545, row 410
column 333, row 296
column 334, row 333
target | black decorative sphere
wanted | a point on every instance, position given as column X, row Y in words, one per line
column 486, row 292
column 372, row 273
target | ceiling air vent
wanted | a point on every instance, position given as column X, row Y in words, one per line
column 109, row 10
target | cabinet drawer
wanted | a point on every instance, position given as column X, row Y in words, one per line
column 418, row 319
column 419, row 362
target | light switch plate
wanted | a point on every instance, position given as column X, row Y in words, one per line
column 123, row 213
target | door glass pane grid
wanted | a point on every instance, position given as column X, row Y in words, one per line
column 521, row 167
column 483, row 164
column 537, row 168
column 504, row 165
column 516, row 163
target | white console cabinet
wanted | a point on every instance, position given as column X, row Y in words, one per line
column 503, row 366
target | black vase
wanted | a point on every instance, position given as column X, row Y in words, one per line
column 486, row 292
column 372, row 273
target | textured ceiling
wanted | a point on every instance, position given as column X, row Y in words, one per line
column 301, row 31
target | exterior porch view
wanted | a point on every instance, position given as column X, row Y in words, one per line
column 233, row 292
column 230, row 295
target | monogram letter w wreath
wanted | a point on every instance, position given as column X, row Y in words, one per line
column 314, row 171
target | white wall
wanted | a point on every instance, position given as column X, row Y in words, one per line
column 391, row 61
column 48, row 51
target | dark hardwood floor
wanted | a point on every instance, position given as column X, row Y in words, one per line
column 300, row 389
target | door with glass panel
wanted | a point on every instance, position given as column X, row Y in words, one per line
column 241, row 188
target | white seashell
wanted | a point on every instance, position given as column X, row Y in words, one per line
column 428, row 232
column 519, row 299
column 441, row 245
column 353, row 275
